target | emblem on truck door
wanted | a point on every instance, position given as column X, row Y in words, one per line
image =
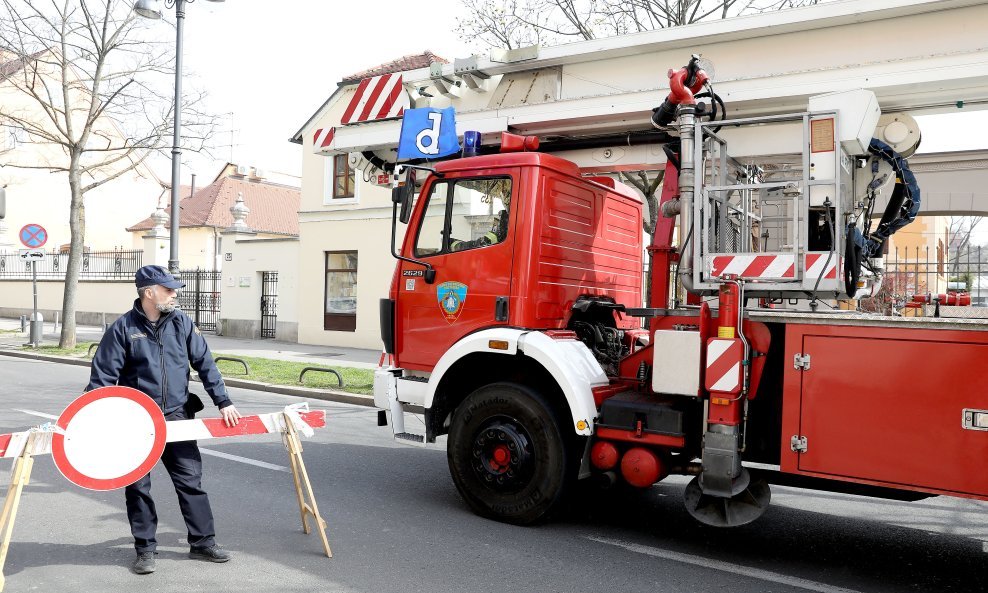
column 451, row 296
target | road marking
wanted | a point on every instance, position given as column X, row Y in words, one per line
column 755, row 573
column 212, row 452
column 246, row 460
column 35, row 413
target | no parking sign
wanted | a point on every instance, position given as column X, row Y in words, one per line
column 33, row 236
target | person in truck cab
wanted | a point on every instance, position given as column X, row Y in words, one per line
column 497, row 234
column 150, row 348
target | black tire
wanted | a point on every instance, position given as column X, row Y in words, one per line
column 508, row 455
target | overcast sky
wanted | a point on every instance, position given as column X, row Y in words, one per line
column 272, row 64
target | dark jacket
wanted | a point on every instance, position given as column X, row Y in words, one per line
column 156, row 361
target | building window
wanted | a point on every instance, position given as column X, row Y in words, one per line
column 343, row 178
column 340, row 307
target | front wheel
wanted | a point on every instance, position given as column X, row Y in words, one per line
column 507, row 454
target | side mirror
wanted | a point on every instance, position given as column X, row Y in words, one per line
column 403, row 194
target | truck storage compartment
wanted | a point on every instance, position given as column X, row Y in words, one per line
column 888, row 405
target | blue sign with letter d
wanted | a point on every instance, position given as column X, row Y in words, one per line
column 428, row 133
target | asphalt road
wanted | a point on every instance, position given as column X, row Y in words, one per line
column 397, row 524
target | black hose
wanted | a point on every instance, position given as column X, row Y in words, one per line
column 852, row 264
column 714, row 101
column 671, row 150
column 830, row 256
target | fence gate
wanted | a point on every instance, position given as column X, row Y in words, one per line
column 269, row 304
column 200, row 298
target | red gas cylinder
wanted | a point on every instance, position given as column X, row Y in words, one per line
column 604, row 455
column 727, row 314
column 641, row 467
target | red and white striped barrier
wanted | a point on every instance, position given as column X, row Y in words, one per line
column 112, row 436
column 12, row 444
column 378, row 97
column 215, row 428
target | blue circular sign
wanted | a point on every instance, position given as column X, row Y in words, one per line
column 33, row 236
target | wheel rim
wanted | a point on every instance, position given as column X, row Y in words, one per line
column 502, row 455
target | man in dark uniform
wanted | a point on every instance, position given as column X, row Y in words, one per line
column 150, row 348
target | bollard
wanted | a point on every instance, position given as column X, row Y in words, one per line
column 37, row 329
column 23, row 323
column 55, row 327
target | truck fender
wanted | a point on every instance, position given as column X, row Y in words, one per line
column 569, row 361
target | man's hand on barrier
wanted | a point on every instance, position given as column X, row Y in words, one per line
column 230, row 415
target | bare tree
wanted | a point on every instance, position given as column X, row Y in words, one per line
column 517, row 23
column 95, row 92
column 960, row 233
column 648, row 187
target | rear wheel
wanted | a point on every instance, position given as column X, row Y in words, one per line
column 507, row 454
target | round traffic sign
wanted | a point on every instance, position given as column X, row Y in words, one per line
column 33, row 235
column 113, row 437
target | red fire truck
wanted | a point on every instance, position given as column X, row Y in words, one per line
column 516, row 325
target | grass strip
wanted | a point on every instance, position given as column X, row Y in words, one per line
column 265, row 370
column 285, row 372
column 80, row 350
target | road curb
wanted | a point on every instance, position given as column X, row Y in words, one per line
column 305, row 392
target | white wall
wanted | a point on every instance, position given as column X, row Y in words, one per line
column 240, row 306
column 93, row 299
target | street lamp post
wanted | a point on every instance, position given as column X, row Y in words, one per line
column 150, row 9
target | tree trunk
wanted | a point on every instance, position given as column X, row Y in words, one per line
column 77, row 227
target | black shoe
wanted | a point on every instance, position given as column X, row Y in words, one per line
column 144, row 563
column 212, row 553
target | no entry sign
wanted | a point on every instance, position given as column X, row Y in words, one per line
column 113, row 436
column 33, row 236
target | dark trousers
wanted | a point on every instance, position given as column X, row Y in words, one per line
column 184, row 465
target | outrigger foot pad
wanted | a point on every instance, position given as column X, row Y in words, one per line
column 740, row 509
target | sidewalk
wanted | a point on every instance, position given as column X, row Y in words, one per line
column 290, row 351
column 11, row 344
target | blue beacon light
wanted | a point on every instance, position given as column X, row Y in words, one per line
column 471, row 142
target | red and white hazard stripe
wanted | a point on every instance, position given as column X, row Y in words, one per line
column 12, row 445
column 379, row 97
column 815, row 263
column 724, row 358
column 323, row 139
column 752, row 265
column 215, row 428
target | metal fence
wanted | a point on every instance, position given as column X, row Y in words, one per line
column 114, row 264
column 908, row 272
column 922, row 271
column 200, row 298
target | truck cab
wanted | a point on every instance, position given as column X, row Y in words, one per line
column 515, row 240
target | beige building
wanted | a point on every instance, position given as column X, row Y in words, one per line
column 344, row 232
column 916, row 260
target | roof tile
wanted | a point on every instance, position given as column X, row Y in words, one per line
column 273, row 207
column 411, row 62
